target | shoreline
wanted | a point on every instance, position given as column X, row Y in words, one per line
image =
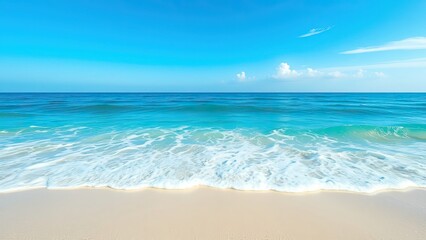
column 197, row 187
column 209, row 213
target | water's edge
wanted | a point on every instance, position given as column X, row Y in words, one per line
column 198, row 187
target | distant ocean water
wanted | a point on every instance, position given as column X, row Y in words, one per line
column 285, row 142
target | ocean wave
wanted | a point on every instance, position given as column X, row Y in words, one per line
column 177, row 158
column 101, row 108
column 377, row 133
column 14, row 115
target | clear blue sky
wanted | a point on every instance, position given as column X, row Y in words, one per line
column 129, row 45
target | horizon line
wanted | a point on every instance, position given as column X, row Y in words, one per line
column 203, row 92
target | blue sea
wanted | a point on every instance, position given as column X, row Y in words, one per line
column 249, row 141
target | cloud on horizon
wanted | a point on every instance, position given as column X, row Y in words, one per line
column 380, row 74
column 315, row 31
column 285, row 72
column 241, row 76
column 405, row 44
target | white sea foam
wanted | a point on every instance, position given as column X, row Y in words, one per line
column 185, row 157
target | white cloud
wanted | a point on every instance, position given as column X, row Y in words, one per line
column 372, row 71
column 313, row 73
column 405, row 44
column 359, row 73
column 336, row 74
column 241, row 76
column 315, row 31
column 380, row 74
column 284, row 71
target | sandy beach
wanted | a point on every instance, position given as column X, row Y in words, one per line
column 212, row 120
column 205, row 213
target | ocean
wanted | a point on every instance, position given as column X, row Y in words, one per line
column 290, row 142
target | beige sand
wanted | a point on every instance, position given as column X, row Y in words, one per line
column 211, row 214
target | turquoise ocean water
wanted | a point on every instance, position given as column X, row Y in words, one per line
column 286, row 142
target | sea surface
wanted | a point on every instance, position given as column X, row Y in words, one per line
column 286, row 142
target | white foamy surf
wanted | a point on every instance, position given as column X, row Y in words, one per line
column 180, row 158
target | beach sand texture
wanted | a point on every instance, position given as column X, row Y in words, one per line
column 206, row 213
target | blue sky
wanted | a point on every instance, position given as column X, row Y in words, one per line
column 123, row 45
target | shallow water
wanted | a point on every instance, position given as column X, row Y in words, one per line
column 286, row 142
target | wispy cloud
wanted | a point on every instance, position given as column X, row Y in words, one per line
column 408, row 63
column 405, row 44
column 315, row 31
